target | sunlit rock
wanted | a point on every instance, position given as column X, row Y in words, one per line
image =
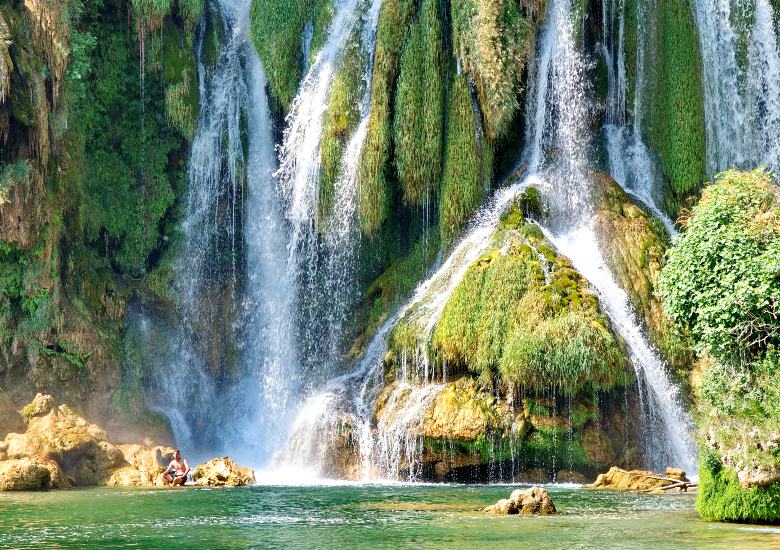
column 222, row 472
column 533, row 501
column 639, row 480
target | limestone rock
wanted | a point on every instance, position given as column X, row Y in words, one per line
column 533, row 501
column 222, row 472
column 10, row 419
column 145, row 466
column 637, row 480
column 40, row 405
column 59, row 434
column 24, row 474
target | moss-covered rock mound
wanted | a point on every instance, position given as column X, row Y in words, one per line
column 634, row 245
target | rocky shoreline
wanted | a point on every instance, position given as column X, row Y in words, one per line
column 52, row 447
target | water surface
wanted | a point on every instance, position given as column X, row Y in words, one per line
column 358, row 516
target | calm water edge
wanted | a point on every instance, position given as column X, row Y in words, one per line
column 358, row 516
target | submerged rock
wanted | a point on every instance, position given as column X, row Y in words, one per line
column 222, row 472
column 639, row 480
column 533, row 501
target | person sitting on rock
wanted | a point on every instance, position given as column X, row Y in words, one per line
column 176, row 473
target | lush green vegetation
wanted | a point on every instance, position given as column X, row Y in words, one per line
column 374, row 194
column 96, row 126
column 721, row 497
column 523, row 317
column 675, row 112
column 721, row 278
column 419, row 107
column 721, row 284
column 277, row 33
column 467, row 162
column 494, row 41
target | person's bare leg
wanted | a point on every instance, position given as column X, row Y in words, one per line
column 178, row 481
column 166, row 479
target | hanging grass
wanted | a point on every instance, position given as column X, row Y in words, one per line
column 467, row 162
column 419, row 107
column 373, row 192
column 494, row 42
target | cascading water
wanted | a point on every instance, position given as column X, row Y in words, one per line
column 324, row 267
column 557, row 149
column 741, row 89
column 229, row 281
column 630, row 161
column 664, row 420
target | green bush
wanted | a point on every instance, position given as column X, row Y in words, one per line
column 721, row 278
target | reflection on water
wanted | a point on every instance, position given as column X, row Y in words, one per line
column 359, row 516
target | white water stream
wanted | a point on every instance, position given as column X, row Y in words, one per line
column 741, row 92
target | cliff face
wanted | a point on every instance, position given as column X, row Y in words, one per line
column 91, row 169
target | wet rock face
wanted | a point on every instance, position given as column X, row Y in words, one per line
column 533, row 501
column 10, row 419
column 222, row 472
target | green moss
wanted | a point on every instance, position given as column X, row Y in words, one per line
column 526, row 319
column 277, row 31
column 13, row 174
column 721, row 497
column 675, row 115
column 419, row 107
column 374, row 192
column 341, row 119
column 494, row 41
column 467, row 163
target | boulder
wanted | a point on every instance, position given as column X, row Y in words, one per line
column 40, row 405
column 638, row 480
column 81, row 449
column 24, row 474
column 533, row 501
column 10, row 419
column 145, row 466
column 222, row 472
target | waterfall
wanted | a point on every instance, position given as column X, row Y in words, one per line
column 324, row 268
column 556, row 153
column 667, row 429
column 630, row 162
column 741, row 96
column 230, row 285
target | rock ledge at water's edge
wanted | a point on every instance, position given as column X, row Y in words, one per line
column 57, row 449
